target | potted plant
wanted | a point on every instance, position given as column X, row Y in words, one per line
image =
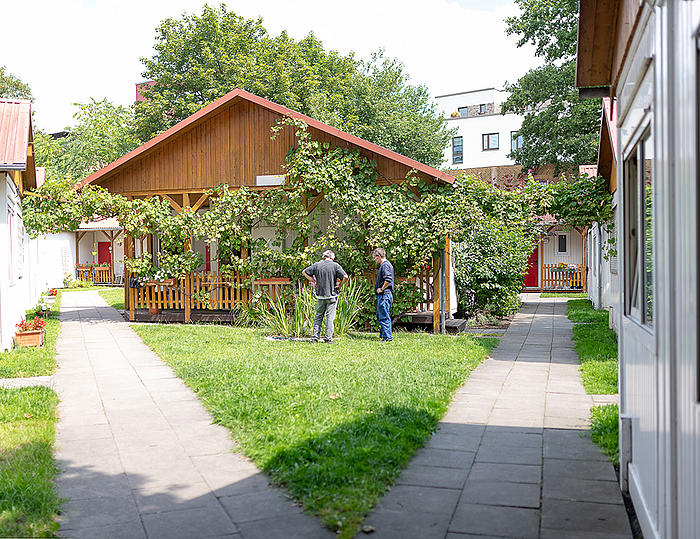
column 42, row 309
column 30, row 333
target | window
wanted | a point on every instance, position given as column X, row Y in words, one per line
column 463, row 112
column 516, row 141
column 457, row 153
column 639, row 231
column 489, row 141
column 482, row 108
column 562, row 244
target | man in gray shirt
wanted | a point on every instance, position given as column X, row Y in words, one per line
column 325, row 275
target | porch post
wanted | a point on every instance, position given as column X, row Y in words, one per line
column 129, row 293
column 540, row 269
column 436, row 294
column 111, row 255
column 188, row 277
column 448, row 277
column 585, row 260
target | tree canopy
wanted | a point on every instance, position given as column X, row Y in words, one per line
column 104, row 132
column 201, row 57
column 13, row 87
column 559, row 128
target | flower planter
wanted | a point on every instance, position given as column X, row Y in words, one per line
column 29, row 338
column 154, row 310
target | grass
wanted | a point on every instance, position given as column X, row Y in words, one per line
column 596, row 346
column 605, row 430
column 113, row 296
column 28, row 499
column 23, row 362
column 582, row 311
column 572, row 295
column 334, row 424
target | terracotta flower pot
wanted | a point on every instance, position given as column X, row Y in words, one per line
column 29, row 338
column 154, row 310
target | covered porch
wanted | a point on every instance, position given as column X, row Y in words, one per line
column 558, row 263
column 99, row 252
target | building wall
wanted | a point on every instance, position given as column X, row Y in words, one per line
column 19, row 287
column 659, row 365
column 474, row 125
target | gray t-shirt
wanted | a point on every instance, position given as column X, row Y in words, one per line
column 326, row 273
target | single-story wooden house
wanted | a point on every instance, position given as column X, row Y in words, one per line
column 646, row 56
column 229, row 141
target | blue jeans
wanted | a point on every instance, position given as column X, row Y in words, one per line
column 384, row 302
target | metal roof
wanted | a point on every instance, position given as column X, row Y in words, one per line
column 284, row 111
column 15, row 127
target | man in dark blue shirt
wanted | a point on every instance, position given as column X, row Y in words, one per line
column 384, row 288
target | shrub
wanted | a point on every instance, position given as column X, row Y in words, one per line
column 490, row 266
column 407, row 296
column 292, row 315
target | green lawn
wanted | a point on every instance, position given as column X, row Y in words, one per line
column 113, row 296
column 22, row 362
column 333, row 423
column 28, row 499
column 605, row 430
column 596, row 346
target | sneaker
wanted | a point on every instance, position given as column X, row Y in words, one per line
column 387, row 340
column 327, row 339
column 314, row 339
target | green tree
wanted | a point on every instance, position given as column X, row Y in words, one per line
column 559, row 128
column 104, row 132
column 201, row 57
column 12, row 87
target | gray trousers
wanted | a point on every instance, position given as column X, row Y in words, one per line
column 325, row 307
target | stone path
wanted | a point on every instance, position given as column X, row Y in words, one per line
column 138, row 454
column 512, row 456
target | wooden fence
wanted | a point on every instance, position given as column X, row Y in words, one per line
column 95, row 274
column 199, row 290
column 572, row 279
column 214, row 292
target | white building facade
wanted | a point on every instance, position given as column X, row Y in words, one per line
column 647, row 56
column 484, row 137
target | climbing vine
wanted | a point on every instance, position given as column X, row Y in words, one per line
column 361, row 211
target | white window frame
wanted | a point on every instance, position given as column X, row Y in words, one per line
column 634, row 292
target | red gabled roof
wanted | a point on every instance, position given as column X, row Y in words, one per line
column 242, row 94
column 15, row 126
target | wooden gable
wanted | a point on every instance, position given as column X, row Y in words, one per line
column 229, row 141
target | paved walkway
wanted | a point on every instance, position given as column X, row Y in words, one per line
column 138, row 454
column 512, row 456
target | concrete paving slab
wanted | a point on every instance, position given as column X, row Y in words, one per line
column 138, row 454
column 535, row 460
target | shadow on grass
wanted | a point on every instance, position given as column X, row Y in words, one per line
column 341, row 474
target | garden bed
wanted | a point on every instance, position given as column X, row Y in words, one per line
column 334, row 425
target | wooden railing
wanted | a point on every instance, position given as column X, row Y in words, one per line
column 204, row 291
column 568, row 279
column 214, row 292
column 95, row 274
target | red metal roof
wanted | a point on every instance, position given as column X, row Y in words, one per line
column 15, row 126
column 242, row 94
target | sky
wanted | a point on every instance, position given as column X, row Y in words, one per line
column 69, row 51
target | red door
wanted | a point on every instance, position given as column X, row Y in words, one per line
column 531, row 277
column 103, row 254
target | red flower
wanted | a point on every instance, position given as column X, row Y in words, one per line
column 34, row 325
